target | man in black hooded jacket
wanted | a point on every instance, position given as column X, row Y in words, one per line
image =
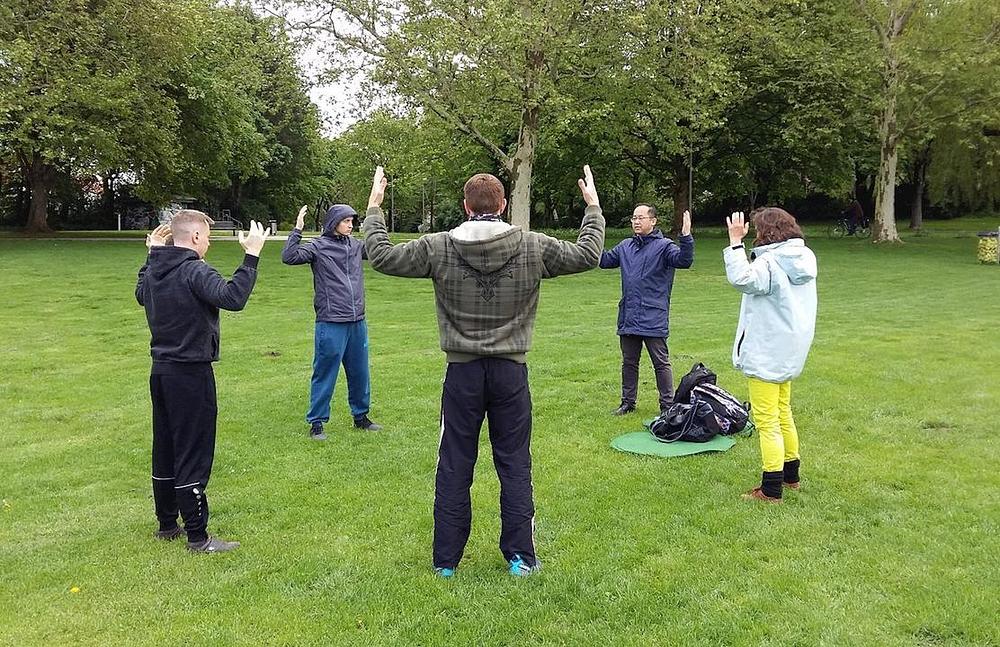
column 182, row 296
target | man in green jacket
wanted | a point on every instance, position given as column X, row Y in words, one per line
column 487, row 277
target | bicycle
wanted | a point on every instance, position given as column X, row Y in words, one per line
column 843, row 228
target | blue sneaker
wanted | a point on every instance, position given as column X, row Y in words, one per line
column 520, row 568
column 444, row 572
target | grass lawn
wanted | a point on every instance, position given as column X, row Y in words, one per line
column 893, row 539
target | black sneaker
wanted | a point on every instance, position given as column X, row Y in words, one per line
column 169, row 535
column 364, row 422
column 213, row 545
column 624, row 408
column 316, row 431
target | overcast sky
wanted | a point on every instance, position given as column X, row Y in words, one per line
column 339, row 103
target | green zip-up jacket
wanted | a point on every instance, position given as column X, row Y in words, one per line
column 487, row 276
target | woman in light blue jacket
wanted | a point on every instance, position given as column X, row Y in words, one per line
column 777, row 322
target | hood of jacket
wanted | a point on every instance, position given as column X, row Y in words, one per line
column 334, row 216
column 164, row 259
column 486, row 245
column 793, row 257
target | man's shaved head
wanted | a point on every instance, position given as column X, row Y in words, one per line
column 190, row 228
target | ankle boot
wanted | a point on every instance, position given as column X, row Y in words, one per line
column 790, row 475
column 770, row 484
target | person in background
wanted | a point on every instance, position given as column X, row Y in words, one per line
column 647, row 260
column 340, row 335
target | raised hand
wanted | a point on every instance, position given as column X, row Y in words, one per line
column 254, row 241
column 300, row 220
column 587, row 188
column 158, row 237
column 686, row 224
column 378, row 188
column 738, row 228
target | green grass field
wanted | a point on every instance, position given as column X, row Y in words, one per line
column 893, row 539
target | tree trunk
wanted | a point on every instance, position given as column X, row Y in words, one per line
column 920, row 181
column 636, row 176
column 884, row 223
column 521, row 168
column 682, row 201
column 40, row 177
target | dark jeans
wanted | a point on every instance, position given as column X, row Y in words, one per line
column 184, row 414
column 660, row 357
column 496, row 389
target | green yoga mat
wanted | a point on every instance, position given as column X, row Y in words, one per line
column 642, row 442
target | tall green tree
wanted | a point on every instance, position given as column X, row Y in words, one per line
column 80, row 87
column 938, row 64
column 489, row 68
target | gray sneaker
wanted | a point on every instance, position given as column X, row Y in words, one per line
column 213, row 545
column 316, row 431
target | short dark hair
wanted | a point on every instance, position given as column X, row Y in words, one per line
column 650, row 209
column 774, row 225
column 483, row 194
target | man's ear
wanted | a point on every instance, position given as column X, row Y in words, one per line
column 503, row 206
column 466, row 207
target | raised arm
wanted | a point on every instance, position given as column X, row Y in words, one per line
column 610, row 258
column 233, row 294
column 411, row 259
column 293, row 253
column 747, row 277
column 563, row 257
column 681, row 254
column 156, row 238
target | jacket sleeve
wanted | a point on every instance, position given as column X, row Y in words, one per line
column 295, row 254
column 138, row 283
column 747, row 277
column 563, row 257
column 209, row 286
column 610, row 258
column 410, row 259
column 680, row 255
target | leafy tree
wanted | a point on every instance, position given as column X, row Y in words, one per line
column 80, row 87
column 488, row 68
column 938, row 63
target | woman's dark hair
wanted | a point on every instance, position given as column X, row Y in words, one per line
column 774, row 225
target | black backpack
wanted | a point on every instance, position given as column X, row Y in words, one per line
column 724, row 404
column 699, row 374
column 693, row 423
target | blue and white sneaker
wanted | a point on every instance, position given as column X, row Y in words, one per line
column 444, row 572
column 520, row 568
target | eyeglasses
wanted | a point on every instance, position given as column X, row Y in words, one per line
column 638, row 218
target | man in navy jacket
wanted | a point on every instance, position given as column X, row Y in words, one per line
column 647, row 261
column 341, row 334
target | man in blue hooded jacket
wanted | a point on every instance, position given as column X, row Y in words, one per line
column 341, row 334
column 647, row 261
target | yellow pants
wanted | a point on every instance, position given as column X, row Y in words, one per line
column 771, row 406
